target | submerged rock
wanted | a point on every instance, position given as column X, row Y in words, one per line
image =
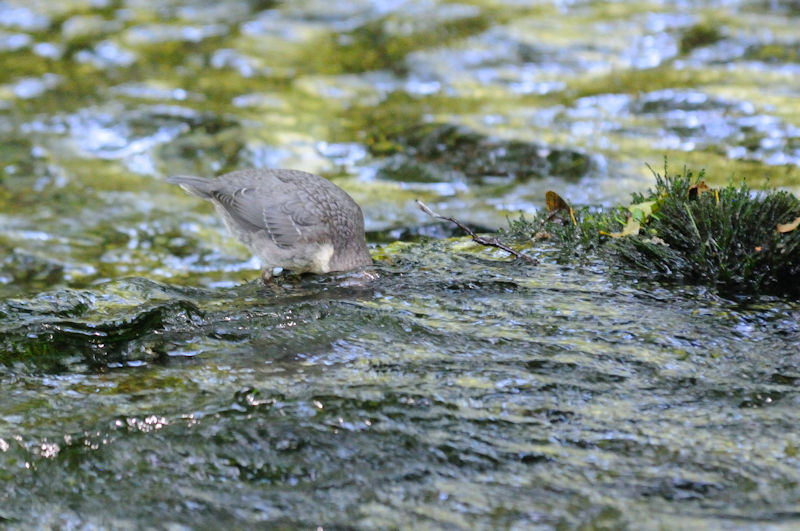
column 446, row 152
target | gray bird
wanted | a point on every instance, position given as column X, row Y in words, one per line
column 287, row 218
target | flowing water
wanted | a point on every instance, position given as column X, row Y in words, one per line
column 149, row 379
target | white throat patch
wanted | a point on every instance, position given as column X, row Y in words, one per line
column 321, row 261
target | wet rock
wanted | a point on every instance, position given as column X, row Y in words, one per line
column 212, row 143
column 25, row 268
column 445, row 152
column 53, row 345
column 58, row 304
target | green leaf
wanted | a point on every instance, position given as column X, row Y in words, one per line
column 631, row 228
column 642, row 211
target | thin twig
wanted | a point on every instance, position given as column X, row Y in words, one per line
column 477, row 239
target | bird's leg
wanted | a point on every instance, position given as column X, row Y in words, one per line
column 269, row 282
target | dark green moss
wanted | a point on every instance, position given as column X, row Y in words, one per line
column 726, row 238
column 698, row 36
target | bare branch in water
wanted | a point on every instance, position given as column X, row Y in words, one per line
column 477, row 239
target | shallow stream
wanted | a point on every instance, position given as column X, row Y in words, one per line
column 148, row 378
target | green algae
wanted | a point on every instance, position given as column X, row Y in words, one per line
column 371, row 47
column 640, row 81
column 775, row 52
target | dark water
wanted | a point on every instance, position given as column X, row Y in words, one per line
column 147, row 379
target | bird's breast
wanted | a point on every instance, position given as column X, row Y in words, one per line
column 321, row 259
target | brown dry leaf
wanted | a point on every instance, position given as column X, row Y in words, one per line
column 789, row 227
column 696, row 190
column 555, row 202
column 556, row 206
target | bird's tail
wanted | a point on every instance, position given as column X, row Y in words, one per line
column 199, row 186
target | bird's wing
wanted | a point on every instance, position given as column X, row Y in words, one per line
column 288, row 218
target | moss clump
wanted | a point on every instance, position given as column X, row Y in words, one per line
column 726, row 238
column 698, row 36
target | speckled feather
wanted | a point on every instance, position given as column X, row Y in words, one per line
column 288, row 218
